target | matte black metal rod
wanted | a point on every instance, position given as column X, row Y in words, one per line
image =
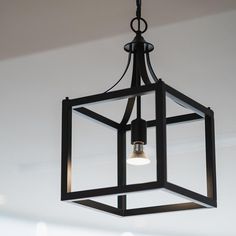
column 161, row 160
column 66, row 148
column 187, row 101
column 172, row 120
column 164, row 208
column 97, row 117
column 203, row 200
column 100, row 206
column 139, row 211
column 111, row 190
column 150, row 68
column 210, row 160
column 131, row 101
column 138, row 107
column 114, row 95
column 138, row 11
column 142, row 66
column 126, row 68
column 121, row 166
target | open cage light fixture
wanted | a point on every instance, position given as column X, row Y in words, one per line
column 138, row 51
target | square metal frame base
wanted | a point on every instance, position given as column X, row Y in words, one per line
column 160, row 122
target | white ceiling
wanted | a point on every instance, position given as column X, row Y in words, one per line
column 196, row 56
column 28, row 26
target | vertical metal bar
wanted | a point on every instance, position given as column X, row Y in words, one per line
column 161, row 133
column 121, row 164
column 122, row 202
column 150, row 68
column 66, row 148
column 138, row 107
column 131, row 100
column 142, row 65
column 210, row 156
column 137, row 80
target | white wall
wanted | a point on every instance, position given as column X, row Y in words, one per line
column 31, row 228
column 197, row 57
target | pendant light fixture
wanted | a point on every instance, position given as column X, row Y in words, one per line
column 143, row 82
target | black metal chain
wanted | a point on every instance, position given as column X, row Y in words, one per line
column 149, row 47
column 138, row 12
column 139, row 19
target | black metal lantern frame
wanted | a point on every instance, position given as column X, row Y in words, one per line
column 161, row 90
column 139, row 49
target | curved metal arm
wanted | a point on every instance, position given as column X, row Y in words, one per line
column 131, row 101
column 127, row 66
column 142, row 67
column 150, row 68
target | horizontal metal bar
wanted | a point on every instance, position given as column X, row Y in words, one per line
column 115, row 95
column 97, row 117
column 173, row 120
column 164, row 208
column 187, row 102
column 111, row 190
column 183, row 118
column 100, row 206
column 193, row 196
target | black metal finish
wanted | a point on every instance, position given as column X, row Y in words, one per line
column 112, row 96
column 138, row 40
column 131, row 100
column 172, row 120
column 210, row 154
column 126, row 68
column 122, row 188
column 201, row 199
column 100, row 206
column 70, row 196
column 161, row 133
column 66, row 149
column 187, row 102
column 150, row 68
column 142, row 71
column 97, row 117
column 162, row 209
column 183, row 118
column 121, row 164
column 138, row 131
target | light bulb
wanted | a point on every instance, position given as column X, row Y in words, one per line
column 138, row 156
